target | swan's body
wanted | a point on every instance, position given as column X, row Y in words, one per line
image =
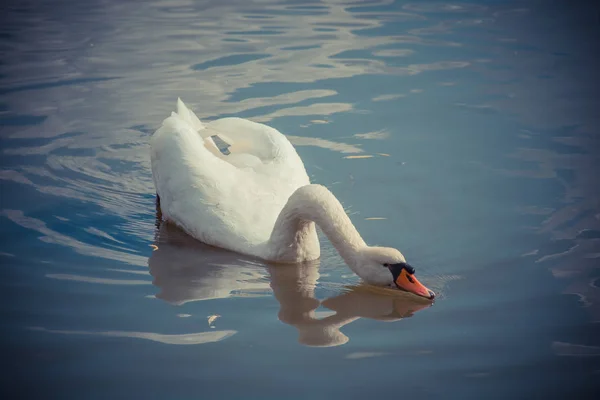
column 228, row 201
column 257, row 200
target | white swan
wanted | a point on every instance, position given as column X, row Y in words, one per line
column 255, row 198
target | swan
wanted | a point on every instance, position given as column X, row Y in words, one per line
column 240, row 185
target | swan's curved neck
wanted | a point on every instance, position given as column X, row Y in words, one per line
column 294, row 228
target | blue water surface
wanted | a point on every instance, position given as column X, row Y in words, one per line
column 464, row 134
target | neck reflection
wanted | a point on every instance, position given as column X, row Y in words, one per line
column 186, row 270
column 294, row 287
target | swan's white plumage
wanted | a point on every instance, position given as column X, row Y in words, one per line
column 257, row 200
column 227, row 201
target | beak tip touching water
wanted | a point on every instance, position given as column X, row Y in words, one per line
column 407, row 281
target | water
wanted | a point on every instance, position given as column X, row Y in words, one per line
column 465, row 134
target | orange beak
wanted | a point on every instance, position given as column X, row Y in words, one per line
column 411, row 284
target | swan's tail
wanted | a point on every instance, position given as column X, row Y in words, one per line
column 216, row 142
column 183, row 146
column 188, row 116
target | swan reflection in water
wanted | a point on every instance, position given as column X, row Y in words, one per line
column 186, row 270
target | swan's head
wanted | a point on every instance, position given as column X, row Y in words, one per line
column 387, row 267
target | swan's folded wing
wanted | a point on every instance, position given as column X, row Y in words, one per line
column 261, row 148
column 230, row 201
column 183, row 168
column 244, row 141
column 259, row 140
column 209, row 198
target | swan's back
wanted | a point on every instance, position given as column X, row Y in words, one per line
column 230, row 201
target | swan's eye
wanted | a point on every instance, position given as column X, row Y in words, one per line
column 386, row 265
